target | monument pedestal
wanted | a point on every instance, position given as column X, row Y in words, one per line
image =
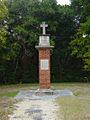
column 44, row 67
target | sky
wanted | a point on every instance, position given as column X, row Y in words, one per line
column 63, row 2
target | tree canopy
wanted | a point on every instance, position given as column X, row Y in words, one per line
column 69, row 28
column 81, row 43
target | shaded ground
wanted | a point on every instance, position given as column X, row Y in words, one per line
column 74, row 108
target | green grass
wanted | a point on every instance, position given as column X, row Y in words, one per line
column 9, row 94
column 76, row 107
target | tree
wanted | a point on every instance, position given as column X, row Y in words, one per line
column 81, row 44
column 3, row 14
column 65, row 29
column 19, row 55
column 23, row 31
column 3, row 34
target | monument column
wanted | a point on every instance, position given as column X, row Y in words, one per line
column 44, row 58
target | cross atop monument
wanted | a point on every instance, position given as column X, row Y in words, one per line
column 43, row 25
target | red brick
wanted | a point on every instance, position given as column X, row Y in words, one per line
column 44, row 75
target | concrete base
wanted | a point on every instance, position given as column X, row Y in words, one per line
column 43, row 94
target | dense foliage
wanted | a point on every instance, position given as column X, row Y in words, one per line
column 69, row 27
column 81, row 43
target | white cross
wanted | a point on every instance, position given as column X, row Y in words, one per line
column 43, row 25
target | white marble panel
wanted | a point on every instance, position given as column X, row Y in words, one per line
column 44, row 64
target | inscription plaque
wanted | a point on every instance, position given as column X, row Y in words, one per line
column 44, row 64
column 44, row 40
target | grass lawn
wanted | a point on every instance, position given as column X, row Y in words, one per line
column 72, row 108
column 78, row 106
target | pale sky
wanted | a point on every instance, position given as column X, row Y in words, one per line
column 63, row 2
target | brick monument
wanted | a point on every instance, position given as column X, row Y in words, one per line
column 44, row 58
